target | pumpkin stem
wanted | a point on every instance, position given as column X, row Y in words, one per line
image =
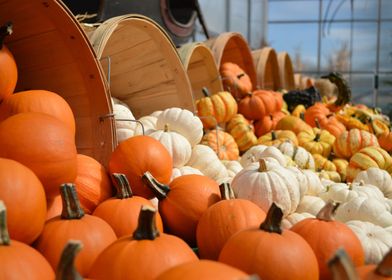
column 226, row 191
column 4, row 235
column 342, row 267
column 384, row 268
column 273, row 220
column 316, row 121
column 71, row 204
column 146, row 227
column 166, row 127
column 66, row 267
column 271, row 117
column 5, row 30
column 160, row 190
column 302, row 116
column 326, row 213
column 273, row 135
column 263, row 165
column 122, row 186
column 317, row 138
column 206, row 92
column 239, row 76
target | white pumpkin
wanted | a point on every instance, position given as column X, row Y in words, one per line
column 376, row 241
column 184, row 170
column 341, row 192
column 294, row 218
column 264, row 183
column 364, row 209
column 182, row 121
column 205, row 159
column 299, row 155
column 125, row 127
column 146, row 125
column 178, row 146
column 310, row 182
column 310, row 204
column 232, row 166
column 252, row 155
column 377, row 177
column 156, row 113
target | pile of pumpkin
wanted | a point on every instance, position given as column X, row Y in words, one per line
column 166, row 191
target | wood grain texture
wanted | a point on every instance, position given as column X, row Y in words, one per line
column 267, row 68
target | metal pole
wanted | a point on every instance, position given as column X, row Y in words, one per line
column 264, row 13
column 319, row 37
column 249, row 21
column 227, row 19
column 375, row 90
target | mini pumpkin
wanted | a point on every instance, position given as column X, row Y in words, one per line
column 377, row 177
column 299, row 155
column 222, row 143
column 350, row 142
column 268, row 123
column 319, row 141
column 216, row 108
column 235, row 79
column 294, row 124
column 242, row 132
column 323, row 164
column 260, row 103
column 385, row 141
column 276, row 137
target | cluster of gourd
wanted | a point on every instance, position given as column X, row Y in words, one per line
column 166, row 190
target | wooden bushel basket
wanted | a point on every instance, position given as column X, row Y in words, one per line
column 286, row 71
column 232, row 47
column 267, row 68
column 201, row 69
column 53, row 53
column 142, row 65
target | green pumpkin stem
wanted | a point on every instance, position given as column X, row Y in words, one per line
column 66, row 268
column 205, row 92
column 341, row 266
column 317, row 138
column 71, row 204
column 160, row 190
column 327, row 212
column 263, row 165
column 166, row 127
column 302, row 116
column 226, row 191
column 4, row 235
column 122, row 186
column 273, row 135
column 384, row 268
column 316, row 121
column 5, row 30
column 146, row 227
column 273, row 220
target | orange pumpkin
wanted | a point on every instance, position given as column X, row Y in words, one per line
column 42, row 143
column 183, row 202
column 138, row 154
column 55, row 207
column 325, row 236
column 270, row 252
column 203, row 269
column 368, row 157
column 41, row 101
column 242, row 132
column 260, row 103
column 122, row 212
column 223, row 219
column 277, row 137
column 377, row 272
column 222, row 143
column 93, row 232
column 8, row 68
column 24, row 196
column 92, row 183
column 268, row 123
column 385, row 141
column 144, row 255
column 216, row 108
column 235, row 80
column 292, row 123
column 17, row 259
